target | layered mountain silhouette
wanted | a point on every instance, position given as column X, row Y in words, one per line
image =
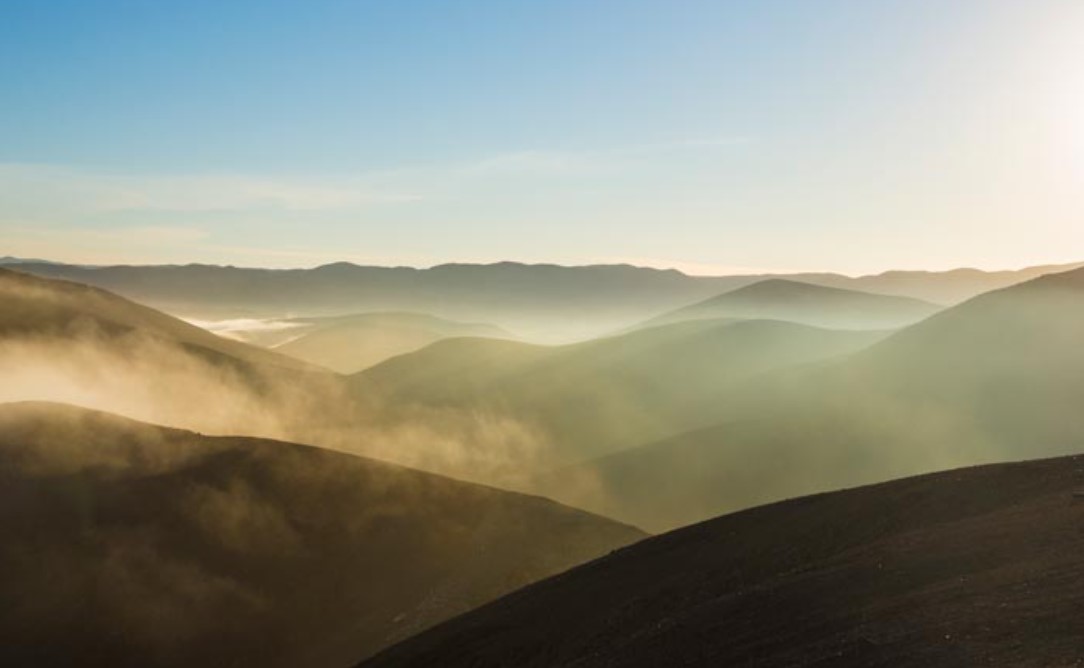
column 128, row 544
column 994, row 379
column 571, row 402
column 781, row 299
column 348, row 344
column 975, row 567
column 538, row 301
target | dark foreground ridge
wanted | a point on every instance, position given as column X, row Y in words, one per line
column 127, row 544
column 973, row 567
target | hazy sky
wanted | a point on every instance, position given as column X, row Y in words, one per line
column 849, row 135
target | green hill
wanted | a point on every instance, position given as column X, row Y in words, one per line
column 996, row 378
column 550, row 405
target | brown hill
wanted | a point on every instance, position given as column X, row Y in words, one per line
column 128, row 544
column 972, row 567
column 72, row 343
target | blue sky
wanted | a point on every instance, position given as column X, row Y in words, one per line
column 713, row 136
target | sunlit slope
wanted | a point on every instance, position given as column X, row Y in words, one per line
column 781, row 299
column 973, row 567
column 598, row 396
column 349, row 344
column 37, row 307
column 62, row 341
column 1000, row 377
column 128, row 544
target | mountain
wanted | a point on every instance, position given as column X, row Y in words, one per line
column 542, row 302
column 780, row 299
column 62, row 341
column 348, row 344
column 973, row 567
column 949, row 287
column 128, row 544
column 996, row 378
column 519, row 407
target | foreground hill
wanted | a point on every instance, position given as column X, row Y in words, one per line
column 997, row 378
column 127, row 544
column 348, row 344
column 973, row 567
column 780, row 299
column 546, row 405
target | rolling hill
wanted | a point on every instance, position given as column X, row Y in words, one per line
column 793, row 301
column 541, row 406
column 972, row 567
column 348, row 344
column 36, row 307
column 997, row 378
column 128, row 544
column 62, row 341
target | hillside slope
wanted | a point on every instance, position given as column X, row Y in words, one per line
column 66, row 342
column 997, row 378
column 568, row 403
column 349, row 344
column 973, row 567
column 127, row 544
column 817, row 305
column 36, row 307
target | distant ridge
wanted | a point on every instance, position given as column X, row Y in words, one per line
column 528, row 299
column 996, row 378
column 806, row 303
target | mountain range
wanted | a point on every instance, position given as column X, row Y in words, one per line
column 996, row 378
column 549, row 303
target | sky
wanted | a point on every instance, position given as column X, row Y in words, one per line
column 711, row 136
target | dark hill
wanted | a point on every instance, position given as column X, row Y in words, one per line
column 128, row 544
column 972, row 567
